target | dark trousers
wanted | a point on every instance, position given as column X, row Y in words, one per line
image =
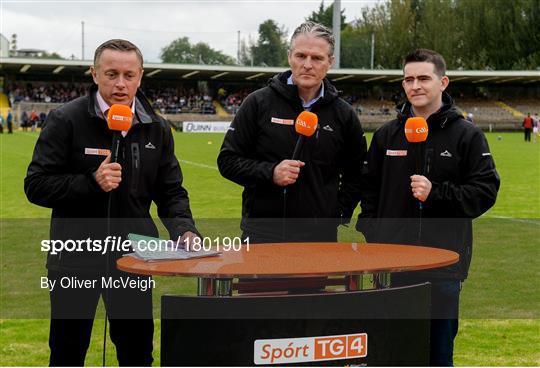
column 528, row 134
column 444, row 317
column 73, row 309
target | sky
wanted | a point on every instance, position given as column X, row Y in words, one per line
column 55, row 26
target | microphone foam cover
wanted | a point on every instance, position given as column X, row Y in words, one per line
column 120, row 117
column 416, row 130
column 306, row 123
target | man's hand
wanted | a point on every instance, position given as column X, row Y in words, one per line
column 108, row 175
column 420, row 186
column 286, row 172
column 187, row 240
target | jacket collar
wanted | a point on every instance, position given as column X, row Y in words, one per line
column 144, row 113
column 446, row 114
column 290, row 91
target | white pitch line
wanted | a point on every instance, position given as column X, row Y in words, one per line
column 526, row 221
column 198, row 164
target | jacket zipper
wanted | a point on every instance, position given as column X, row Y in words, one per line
column 135, row 164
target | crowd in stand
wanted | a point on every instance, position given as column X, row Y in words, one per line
column 48, row 93
column 376, row 104
column 232, row 101
column 166, row 100
column 180, row 100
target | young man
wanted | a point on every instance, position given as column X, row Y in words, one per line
column 72, row 173
column 456, row 182
column 319, row 189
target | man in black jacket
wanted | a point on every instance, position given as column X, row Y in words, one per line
column 72, row 173
column 319, row 189
column 456, row 183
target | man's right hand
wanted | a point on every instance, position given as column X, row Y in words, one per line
column 286, row 172
column 108, row 175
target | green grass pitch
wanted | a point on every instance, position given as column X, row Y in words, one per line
column 500, row 301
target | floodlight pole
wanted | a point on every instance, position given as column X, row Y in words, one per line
column 336, row 28
column 82, row 40
column 372, row 49
column 238, row 49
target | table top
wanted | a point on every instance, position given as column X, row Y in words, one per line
column 299, row 260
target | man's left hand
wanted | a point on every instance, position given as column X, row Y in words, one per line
column 420, row 186
column 187, row 240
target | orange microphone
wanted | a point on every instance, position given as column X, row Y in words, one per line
column 416, row 130
column 119, row 119
column 305, row 125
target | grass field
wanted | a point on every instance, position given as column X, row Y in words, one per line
column 500, row 301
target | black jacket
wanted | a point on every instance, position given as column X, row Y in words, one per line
column 457, row 161
column 327, row 189
column 60, row 177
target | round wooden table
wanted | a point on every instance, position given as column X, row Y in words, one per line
column 286, row 260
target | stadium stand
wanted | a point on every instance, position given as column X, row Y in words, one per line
column 4, row 105
column 180, row 100
column 42, row 97
column 524, row 105
column 231, row 101
column 185, row 102
column 484, row 110
column 46, row 92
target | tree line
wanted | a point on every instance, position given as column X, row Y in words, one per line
column 470, row 34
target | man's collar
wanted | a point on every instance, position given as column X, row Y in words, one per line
column 307, row 105
column 104, row 106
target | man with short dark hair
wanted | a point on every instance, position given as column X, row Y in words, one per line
column 316, row 191
column 72, row 173
column 434, row 207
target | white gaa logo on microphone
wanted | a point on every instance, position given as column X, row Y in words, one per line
column 418, row 130
column 301, row 123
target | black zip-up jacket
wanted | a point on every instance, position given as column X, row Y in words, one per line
column 457, row 161
column 262, row 134
column 60, row 177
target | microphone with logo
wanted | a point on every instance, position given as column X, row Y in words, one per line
column 416, row 132
column 305, row 125
column 119, row 120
